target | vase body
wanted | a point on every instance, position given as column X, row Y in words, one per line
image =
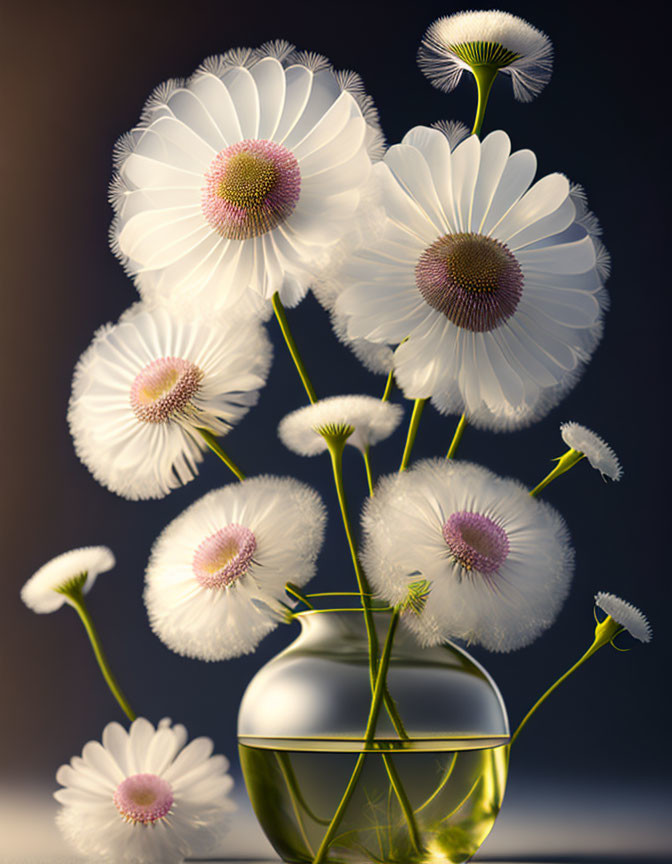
column 430, row 784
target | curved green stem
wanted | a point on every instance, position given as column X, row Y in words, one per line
column 565, row 462
column 457, row 437
column 412, row 432
column 280, row 314
column 76, row 600
column 485, row 75
column 369, row 473
column 389, row 386
column 294, row 591
column 335, row 594
column 441, row 785
column 404, row 803
column 369, row 736
column 289, row 776
column 604, row 633
column 214, row 445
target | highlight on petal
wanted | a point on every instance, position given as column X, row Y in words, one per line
column 45, row 590
column 595, row 449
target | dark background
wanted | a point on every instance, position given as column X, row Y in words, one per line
column 75, row 76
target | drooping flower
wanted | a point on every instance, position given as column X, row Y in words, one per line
column 146, row 385
column 216, row 569
column 371, row 420
column 143, row 796
column 497, row 561
column 625, row 614
column 245, row 176
column 488, row 286
column 595, row 449
column 499, row 40
column 46, row 590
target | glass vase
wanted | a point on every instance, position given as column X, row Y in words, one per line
column 430, row 784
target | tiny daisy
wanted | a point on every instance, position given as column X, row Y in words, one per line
column 488, row 285
column 143, row 797
column 245, row 176
column 146, row 385
column 497, row 561
column 628, row 616
column 371, row 420
column 597, row 452
column 47, row 590
column 496, row 41
column 217, row 568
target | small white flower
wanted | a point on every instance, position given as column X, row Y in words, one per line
column 43, row 592
column 487, row 38
column 625, row 614
column 142, row 797
column 371, row 419
column 597, row 452
column 488, row 285
column 146, row 385
column 226, row 559
column 245, row 176
column 498, row 561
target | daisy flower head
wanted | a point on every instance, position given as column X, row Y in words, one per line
column 146, row 385
column 47, row 589
column 243, row 180
column 143, row 796
column 371, row 420
column 496, row 563
column 595, row 449
column 628, row 616
column 485, row 281
column 217, row 573
column 497, row 40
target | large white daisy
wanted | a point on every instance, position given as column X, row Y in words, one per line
column 217, row 573
column 143, row 796
column 498, row 562
column 245, row 176
column 488, row 285
column 499, row 40
column 146, row 385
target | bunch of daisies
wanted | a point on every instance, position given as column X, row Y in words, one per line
column 442, row 263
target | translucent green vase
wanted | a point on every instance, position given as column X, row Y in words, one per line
column 429, row 793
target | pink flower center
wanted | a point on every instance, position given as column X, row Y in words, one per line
column 250, row 188
column 143, row 798
column 475, row 281
column 476, row 542
column 224, row 556
column 164, row 388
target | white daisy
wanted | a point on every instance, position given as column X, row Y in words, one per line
column 247, row 175
column 145, row 386
column 142, row 796
column 498, row 562
column 595, row 449
column 371, row 419
column 499, row 40
column 488, row 285
column 46, row 590
column 234, row 547
column 625, row 614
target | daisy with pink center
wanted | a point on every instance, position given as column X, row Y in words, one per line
column 242, row 181
column 497, row 563
column 151, row 391
column 143, row 796
column 216, row 578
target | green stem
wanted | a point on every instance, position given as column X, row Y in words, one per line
column 404, row 803
column 292, row 784
column 76, row 600
column 214, row 445
column 280, row 314
column 369, row 473
column 565, row 462
column 604, row 633
column 457, row 437
column 294, row 591
column 485, row 76
column 412, row 432
column 441, row 785
column 389, row 386
column 369, row 736
column 335, row 594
